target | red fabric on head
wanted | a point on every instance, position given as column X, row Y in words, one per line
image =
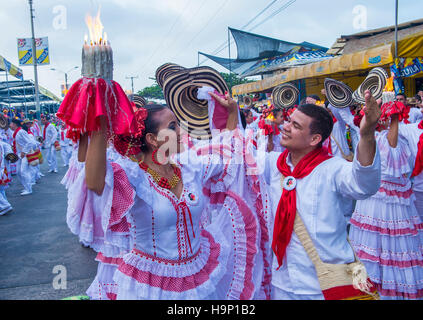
column 287, row 207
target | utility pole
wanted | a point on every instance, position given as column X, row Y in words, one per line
column 132, row 82
column 34, row 61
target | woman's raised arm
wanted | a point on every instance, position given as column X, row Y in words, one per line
column 95, row 162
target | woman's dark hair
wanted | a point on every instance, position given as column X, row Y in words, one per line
column 151, row 123
column 17, row 122
column 242, row 114
column 25, row 126
column 322, row 121
column 275, row 111
column 314, row 96
column 418, row 98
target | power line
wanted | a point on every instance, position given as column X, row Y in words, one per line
column 224, row 2
column 160, row 43
column 225, row 44
column 276, row 12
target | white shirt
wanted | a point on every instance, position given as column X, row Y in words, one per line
column 65, row 142
column 51, row 135
column 339, row 133
column 322, row 199
column 415, row 115
column 24, row 142
column 412, row 133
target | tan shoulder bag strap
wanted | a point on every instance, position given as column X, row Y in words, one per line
column 349, row 157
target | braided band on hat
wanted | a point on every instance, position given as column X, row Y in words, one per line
column 138, row 100
column 338, row 93
column 180, row 92
column 3, row 122
column 248, row 101
column 285, row 95
column 375, row 82
column 165, row 70
column 12, row 157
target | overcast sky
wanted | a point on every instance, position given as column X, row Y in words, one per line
column 145, row 34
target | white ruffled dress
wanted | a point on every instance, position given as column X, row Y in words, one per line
column 210, row 243
column 386, row 230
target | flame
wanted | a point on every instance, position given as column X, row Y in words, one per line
column 95, row 27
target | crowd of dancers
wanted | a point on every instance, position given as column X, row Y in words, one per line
column 257, row 210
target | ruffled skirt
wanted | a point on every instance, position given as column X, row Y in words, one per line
column 202, row 276
column 387, row 235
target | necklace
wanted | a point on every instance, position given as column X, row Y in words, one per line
column 162, row 181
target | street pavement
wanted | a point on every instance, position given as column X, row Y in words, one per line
column 40, row 259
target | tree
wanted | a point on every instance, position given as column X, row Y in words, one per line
column 152, row 92
column 233, row 80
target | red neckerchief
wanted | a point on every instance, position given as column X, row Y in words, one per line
column 287, row 207
column 62, row 135
column 276, row 130
column 418, row 165
column 14, row 139
column 44, row 131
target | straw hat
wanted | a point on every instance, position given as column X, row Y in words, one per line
column 138, row 100
column 180, row 92
column 248, row 101
column 164, row 70
column 12, row 157
column 338, row 93
column 3, row 122
column 375, row 82
column 412, row 101
column 285, row 95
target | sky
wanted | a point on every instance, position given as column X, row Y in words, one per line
column 145, row 34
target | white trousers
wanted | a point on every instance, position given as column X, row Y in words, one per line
column 66, row 153
column 24, row 173
column 4, row 203
column 51, row 157
column 35, row 173
column 279, row 294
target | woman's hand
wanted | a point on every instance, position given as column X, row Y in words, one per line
column 227, row 102
column 232, row 107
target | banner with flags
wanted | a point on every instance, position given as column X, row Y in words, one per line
column 10, row 68
column 25, row 51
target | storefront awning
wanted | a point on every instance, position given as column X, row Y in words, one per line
column 383, row 55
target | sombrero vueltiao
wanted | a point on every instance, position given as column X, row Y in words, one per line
column 138, row 100
column 4, row 124
column 375, row 82
column 285, row 95
column 248, row 101
column 338, row 93
column 165, row 70
column 180, row 92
